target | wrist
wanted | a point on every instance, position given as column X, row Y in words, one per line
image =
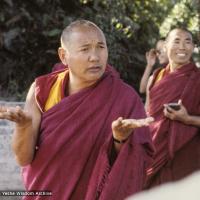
column 121, row 141
column 22, row 126
column 149, row 66
column 187, row 120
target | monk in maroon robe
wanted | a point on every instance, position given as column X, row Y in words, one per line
column 175, row 131
column 74, row 138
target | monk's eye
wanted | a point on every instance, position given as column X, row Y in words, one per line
column 84, row 49
column 101, row 46
column 188, row 42
column 176, row 41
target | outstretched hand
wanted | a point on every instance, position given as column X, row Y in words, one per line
column 17, row 115
column 122, row 128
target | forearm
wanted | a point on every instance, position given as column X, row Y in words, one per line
column 23, row 145
column 192, row 120
column 117, row 147
column 144, row 80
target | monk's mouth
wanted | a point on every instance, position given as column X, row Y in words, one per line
column 94, row 69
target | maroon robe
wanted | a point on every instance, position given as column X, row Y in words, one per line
column 58, row 66
column 75, row 141
column 177, row 144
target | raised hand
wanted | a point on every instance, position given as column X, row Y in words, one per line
column 151, row 58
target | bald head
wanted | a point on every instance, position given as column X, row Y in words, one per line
column 179, row 46
column 175, row 30
column 78, row 25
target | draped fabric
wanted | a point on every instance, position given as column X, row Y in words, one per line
column 58, row 66
column 73, row 152
column 171, row 137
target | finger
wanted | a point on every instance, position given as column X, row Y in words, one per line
column 13, row 115
column 180, row 102
column 144, row 122
column 149, row 120
column 168, row 109
column 117, row 122
column 169, row 113
column 136, row 123
column 3, row 109
column 9, row 117
column 20, row 112
column 3, row 112
column 8, row 113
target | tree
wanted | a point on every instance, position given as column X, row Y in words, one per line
column 30, row 31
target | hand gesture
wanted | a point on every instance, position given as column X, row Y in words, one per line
column 122, row 128
column 151, row 58
column 17, row 115
column 179, row 115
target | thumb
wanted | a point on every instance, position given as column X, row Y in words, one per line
column 117, row 122
column 180, row 102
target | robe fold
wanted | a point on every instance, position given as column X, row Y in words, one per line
column 174, row 140
column 72, row 159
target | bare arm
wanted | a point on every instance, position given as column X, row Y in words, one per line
column 25, row 135
column 151, row 59
column 147, row 92
column 27, row 124
column 181, row 115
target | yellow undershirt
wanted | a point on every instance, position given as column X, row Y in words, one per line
column 160, row 75
column 55, row 92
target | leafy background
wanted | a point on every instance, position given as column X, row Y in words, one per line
column 30, row 32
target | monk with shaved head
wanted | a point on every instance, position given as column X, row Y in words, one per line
column 174, row 102
column 82, row 134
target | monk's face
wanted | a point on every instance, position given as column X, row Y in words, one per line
column 179, row 47
column 86, row 54
column 161, row 53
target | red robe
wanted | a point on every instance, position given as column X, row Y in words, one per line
column 73, row 155
column 177, row 145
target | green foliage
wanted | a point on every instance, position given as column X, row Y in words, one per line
column 30, row 31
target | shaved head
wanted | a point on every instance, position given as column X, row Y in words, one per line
column 179, row 46
column 180, row 30
column 84, row 50
column 78, row 25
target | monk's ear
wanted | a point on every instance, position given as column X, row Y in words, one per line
column 63, row 55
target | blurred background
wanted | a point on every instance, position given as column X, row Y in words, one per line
column 30, row 35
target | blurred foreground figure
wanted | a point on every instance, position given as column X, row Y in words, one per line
column 186, row 189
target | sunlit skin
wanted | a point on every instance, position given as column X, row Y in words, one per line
column 161, row 53
column 86, row 55
column 85, row 52
column 179, row 47
column 180, row 115
column 151, row 56
column 27, row 122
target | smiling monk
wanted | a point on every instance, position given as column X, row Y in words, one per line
column 175, row 132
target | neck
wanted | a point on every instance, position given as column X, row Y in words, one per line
column 175, row 66
column 76, row 85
